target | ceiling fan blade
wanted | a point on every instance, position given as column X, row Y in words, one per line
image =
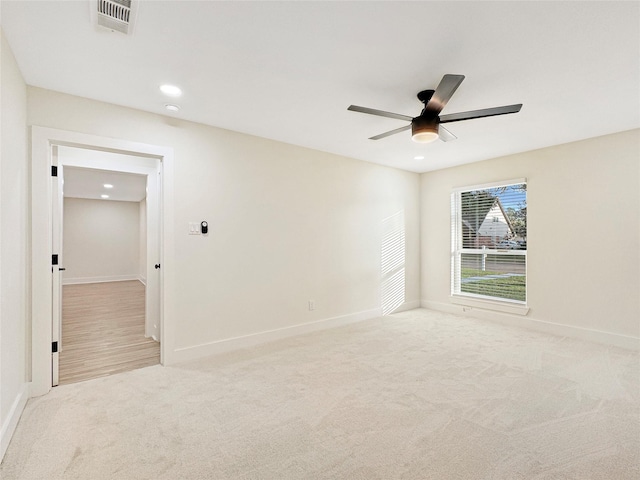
column 392, row 132
column 444, row 91
column 485, row 112
column 380, row 113
column 445, row 135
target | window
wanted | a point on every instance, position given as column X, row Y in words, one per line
column 489, row 242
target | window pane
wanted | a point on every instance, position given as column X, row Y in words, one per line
column 495, row 275
column 494, row 218
column 489, row 227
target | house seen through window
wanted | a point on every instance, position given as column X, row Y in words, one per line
column 489, row 242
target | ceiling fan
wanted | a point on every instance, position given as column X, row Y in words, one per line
column 427, row 126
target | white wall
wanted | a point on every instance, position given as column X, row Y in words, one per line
column 101, row 240
column 14, row 246
column 583, row 234
column 287, row 224
column 142, row 235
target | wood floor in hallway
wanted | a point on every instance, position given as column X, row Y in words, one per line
column 103, row 331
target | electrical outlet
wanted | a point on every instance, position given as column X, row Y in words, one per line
column 312, row 305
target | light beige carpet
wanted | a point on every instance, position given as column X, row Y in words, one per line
column 417, row 395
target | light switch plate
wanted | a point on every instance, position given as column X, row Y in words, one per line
column 194, row 228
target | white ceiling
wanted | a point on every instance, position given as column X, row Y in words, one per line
column 289, row 70
column 89, row 183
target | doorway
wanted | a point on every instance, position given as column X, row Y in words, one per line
column 45, row 300
column 108, row 320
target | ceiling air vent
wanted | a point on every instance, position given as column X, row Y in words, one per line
column 115, row 15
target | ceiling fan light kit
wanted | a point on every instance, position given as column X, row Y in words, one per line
column 426, row 127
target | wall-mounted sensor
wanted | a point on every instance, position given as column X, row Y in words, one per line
column 204, row 228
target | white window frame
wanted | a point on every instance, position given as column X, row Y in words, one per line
column 469, row 299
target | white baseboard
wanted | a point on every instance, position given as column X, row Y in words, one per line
column 112, row 278
column 143, row 279
column 11, row 422
column 562, row 330
column 408, row 306
column 236, row 343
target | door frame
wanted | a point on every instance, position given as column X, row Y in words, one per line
column 42, row 141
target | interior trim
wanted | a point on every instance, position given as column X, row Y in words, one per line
column 562, row 330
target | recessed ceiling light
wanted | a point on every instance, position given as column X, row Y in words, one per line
column 419, row 157
column 171, row 90
column 171, row 107
column 104, row 196
column 107, row 185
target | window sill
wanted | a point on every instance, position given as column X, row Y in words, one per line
column 504, row 307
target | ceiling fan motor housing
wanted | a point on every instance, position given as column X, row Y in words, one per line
column 425, row 95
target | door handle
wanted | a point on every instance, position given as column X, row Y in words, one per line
column 157, row 265
column 60, row 269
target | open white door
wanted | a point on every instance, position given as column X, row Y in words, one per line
column 154, row 268
column 56, row 263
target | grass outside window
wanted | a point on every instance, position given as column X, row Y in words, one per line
column 494, row 283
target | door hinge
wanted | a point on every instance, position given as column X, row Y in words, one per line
column 54, row 259
column 54, row 347
column 54, row 171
